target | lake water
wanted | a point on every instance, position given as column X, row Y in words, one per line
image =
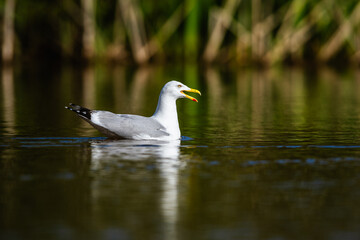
column 265, row 154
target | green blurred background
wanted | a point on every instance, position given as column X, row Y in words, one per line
column 238, row 32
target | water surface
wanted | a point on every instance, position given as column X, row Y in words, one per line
column 265, row 155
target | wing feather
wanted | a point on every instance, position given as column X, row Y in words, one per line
column 127, row 125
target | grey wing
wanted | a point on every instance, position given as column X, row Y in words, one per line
column 129, row 126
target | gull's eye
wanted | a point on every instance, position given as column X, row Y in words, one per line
column 179, row 86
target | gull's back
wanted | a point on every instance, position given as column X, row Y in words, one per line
column 127, row 125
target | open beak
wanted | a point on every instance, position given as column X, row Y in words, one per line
column 191, row 90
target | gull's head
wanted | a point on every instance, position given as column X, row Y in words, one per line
column 177, row 90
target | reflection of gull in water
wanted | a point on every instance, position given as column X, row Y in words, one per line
column 105, row 151
column 166, row 155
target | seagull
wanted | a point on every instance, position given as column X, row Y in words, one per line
column 162, row 125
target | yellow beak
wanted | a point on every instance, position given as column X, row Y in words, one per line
column 191, row 90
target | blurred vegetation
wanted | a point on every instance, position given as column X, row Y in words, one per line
column 140, row 31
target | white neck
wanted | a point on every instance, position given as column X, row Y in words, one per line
column 166, row 114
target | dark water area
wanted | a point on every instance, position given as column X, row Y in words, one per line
column 265, row 154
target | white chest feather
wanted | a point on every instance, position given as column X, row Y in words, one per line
column 166, row 115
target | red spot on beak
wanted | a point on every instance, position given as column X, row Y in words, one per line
column 194, row 100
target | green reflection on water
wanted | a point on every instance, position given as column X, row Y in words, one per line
column 273, row 154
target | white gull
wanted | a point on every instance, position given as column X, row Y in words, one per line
column 162, row 125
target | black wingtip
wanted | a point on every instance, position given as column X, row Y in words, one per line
column 79, row 110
